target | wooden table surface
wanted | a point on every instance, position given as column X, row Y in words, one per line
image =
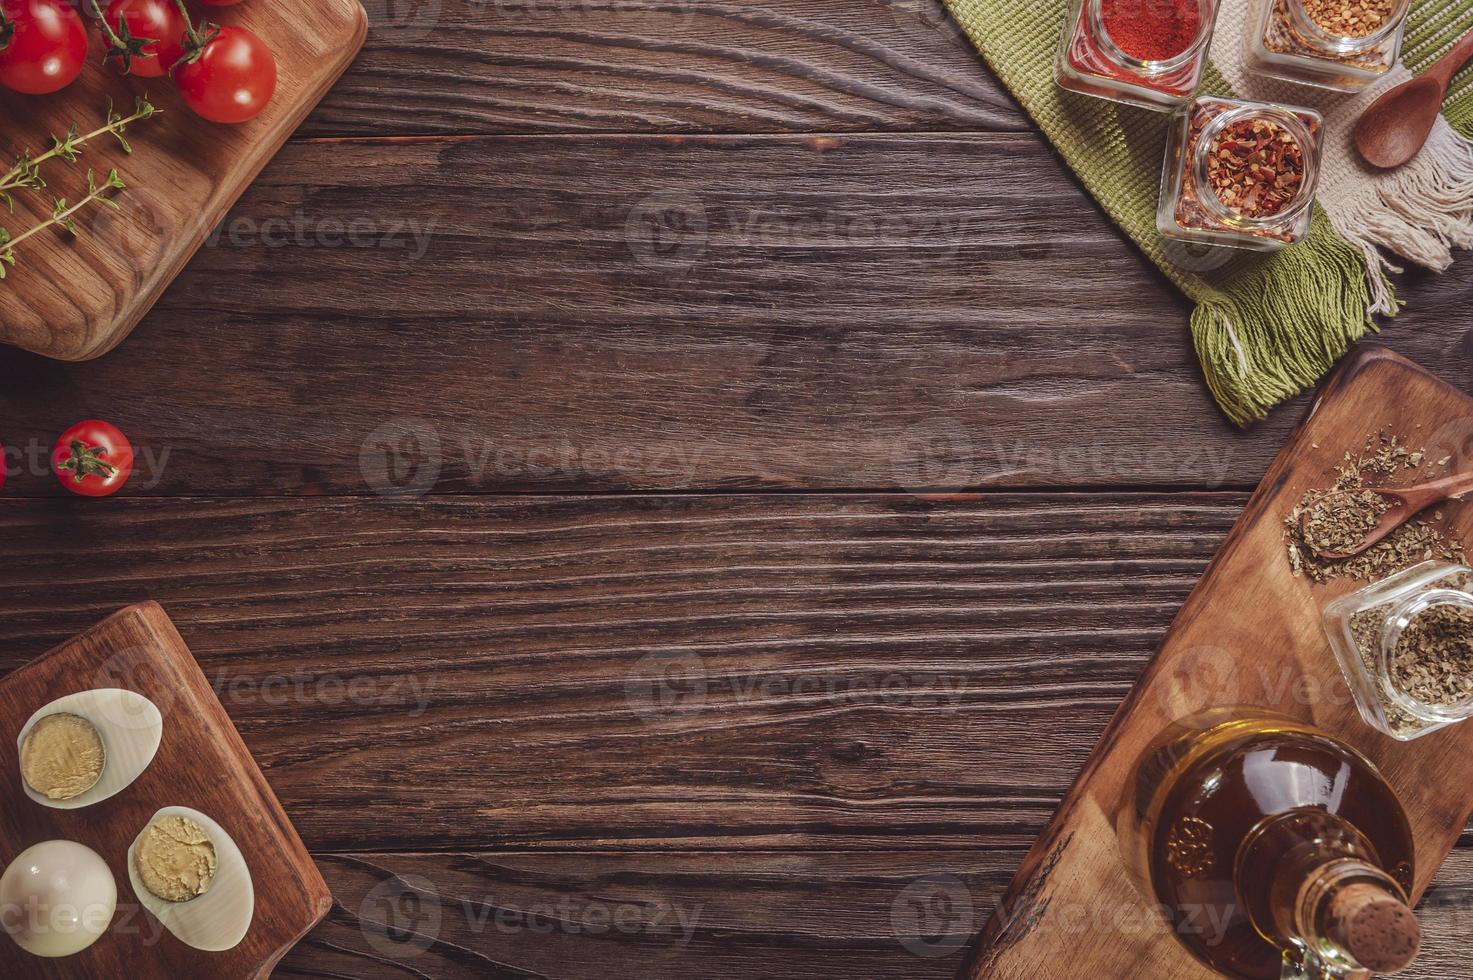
column 534, row 461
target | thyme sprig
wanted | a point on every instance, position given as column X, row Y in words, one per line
column 26, row 173
column 63, row 215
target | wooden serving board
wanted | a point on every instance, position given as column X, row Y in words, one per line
column 1249, row 634
column 201, row 763
column 77, row 298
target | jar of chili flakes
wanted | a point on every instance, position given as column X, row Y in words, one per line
column 1240, row 174
column 1148, row 53
column 1342, row 45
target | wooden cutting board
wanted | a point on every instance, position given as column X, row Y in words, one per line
column 201, row 763
column 77, row 298
column 1250, row 633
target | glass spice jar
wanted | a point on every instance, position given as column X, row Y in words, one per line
column 1147, row 53
column 1240, row 174
column 1405, row 646
column 1336, row 44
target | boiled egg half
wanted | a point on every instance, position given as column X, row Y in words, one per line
column 86, row 747
column 190, row 874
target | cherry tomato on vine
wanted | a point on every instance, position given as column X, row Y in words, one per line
column 230, row 79
column 93, row 459
column 151, row 32
column 43, row 45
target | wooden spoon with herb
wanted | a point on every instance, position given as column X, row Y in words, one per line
column 1345, row 523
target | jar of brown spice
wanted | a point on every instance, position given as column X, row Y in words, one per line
column 1337, row 44
column 1240, row 174
column 1405, row 646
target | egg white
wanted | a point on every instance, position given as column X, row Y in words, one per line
column 217, row 920
column 131, row 728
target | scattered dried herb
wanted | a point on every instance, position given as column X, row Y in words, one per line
column 1256, row 167
column 1385, row 461
column 1341, row 522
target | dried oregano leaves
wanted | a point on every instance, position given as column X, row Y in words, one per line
column 1433, row 658
column 1341, row 522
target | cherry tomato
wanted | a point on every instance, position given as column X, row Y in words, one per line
column 43, row 45
column 156, row 21
column 93, row 459
column 231, row 80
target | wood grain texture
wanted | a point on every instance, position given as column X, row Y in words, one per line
column 802, row 916
column 646, row 673
column 78, row 298
column 201, row 764
column 861, row 312
column 539, row 66
column 1250, row 633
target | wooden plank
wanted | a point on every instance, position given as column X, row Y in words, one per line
column 862, row 312
column 201, row 764
column 77, row 299
column 1250, row 634
column 642, row 673
column 540, row 66
column 807, row 916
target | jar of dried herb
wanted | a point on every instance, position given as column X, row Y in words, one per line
column 1147, row 53
column 1240, row 174
column 1336, row 44
column 1405, row 645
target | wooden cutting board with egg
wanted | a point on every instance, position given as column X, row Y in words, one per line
column 77, row 298
column 1251, row 633
column 167, row 749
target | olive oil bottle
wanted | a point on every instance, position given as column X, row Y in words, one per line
column 1274, row 850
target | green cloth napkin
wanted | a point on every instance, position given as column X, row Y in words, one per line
column 1266, row 326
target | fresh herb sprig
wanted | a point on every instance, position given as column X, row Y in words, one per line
column 63, row 215
column 26, row 173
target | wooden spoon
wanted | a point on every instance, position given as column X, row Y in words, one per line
column 1395, row 127
column 1405, row 504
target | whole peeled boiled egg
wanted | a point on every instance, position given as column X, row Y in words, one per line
column 57, row 898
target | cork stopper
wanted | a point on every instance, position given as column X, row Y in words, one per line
column 1375, row 927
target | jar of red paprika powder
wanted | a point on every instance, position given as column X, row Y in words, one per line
column 1148, row 53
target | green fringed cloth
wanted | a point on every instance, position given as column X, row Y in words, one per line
column 1266, row 326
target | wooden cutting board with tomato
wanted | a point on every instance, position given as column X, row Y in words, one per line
column 94, row 233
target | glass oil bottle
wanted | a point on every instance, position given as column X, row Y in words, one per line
column 1276, row 851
